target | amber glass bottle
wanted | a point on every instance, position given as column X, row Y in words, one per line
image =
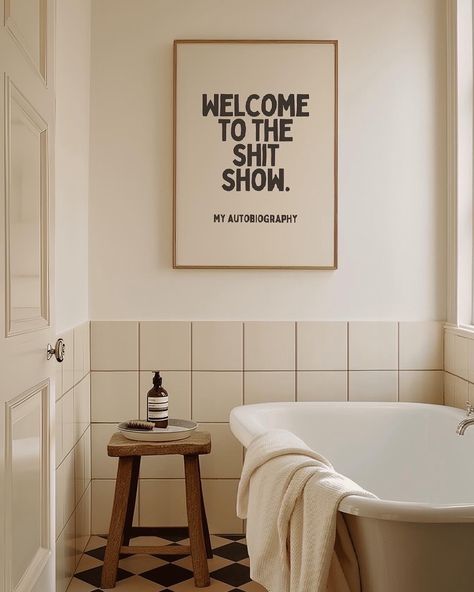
column 157, row 403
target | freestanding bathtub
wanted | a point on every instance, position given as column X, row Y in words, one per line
column 419, row 535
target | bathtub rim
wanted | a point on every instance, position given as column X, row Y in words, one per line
column 354, row 505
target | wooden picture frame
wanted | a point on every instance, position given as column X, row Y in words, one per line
column 255, row 129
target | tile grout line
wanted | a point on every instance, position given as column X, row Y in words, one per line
column 277, row 370
column 73, row 387
column 443, row 353
column 296, row 362
column 191, row 356
column 139, row 347
column 398, row 362
column 347, row 361
column 243, row 363
column 90, row 346
column 243, row 385
column 90, row 429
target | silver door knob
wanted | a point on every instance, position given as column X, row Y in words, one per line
column 58, row 351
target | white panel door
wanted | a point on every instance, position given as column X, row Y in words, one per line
column 26, row 305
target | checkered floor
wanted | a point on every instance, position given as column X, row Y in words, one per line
column 229, row 568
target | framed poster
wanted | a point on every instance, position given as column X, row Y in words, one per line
column 255, row 154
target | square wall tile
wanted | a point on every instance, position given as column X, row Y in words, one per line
column 58, row 381
column 421, row 386
column 88, row 456
column 68, row 362
column 71, row 556
column 421, row 345
column 461, row 392
column 373, row 386
column 61, row 583
column 103, row 466
column 170, row 466
column 265, row 387
column 220, row 498
column 162, row 502
column 101, row 501
column 321, row 346
column 217, row 345
column 114, row 396
column 58, row 432
column 83, row 522
column 457, row 353
column 65, row 556
column 82, row 407
column 59, row 501
column 114, row 345
column 68, row 487
column 449, row 351
column 226, row 457
column 321, row 386
column 373, row 345
column 62, row 580
column 471, row 393
column 269, row 345
column 102, row 498
column 68, row 422
column 461, row 356
column 215, row 394
column 449, row 389
column 178, row 385
column 86, row 335
column 81, row 351
column 165, row 345
column 470, row 361
column 82, row 464
column 65, row 492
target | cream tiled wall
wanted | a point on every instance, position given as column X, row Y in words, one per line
column 209, row 367
column 73, row 454
column 459, row 368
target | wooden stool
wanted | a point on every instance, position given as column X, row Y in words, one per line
column 121, row 530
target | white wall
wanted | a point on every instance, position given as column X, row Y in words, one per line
column 73, row 39
column 391, row 159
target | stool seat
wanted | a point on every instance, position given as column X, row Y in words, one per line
column 129, row 453
column 196, row 443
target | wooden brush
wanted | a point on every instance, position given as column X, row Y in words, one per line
column 140, row 424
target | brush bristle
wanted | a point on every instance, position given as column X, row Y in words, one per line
column 140, row 424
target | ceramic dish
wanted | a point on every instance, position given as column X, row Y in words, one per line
column 178, row 429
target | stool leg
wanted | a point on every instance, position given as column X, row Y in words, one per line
column 117, row 521
column 132, row 498
column 207, row 538
column 195, row 522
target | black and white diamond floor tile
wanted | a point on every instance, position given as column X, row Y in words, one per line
column 229, row 568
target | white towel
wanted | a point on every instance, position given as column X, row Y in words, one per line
column 289, row 495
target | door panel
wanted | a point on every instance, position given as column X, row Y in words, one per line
column 27, row 475
column 26, row 200
column 26, row 21
column 27, row 108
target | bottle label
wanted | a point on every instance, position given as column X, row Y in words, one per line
column 154, row 415
column 158, row 399
column 158, row 406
